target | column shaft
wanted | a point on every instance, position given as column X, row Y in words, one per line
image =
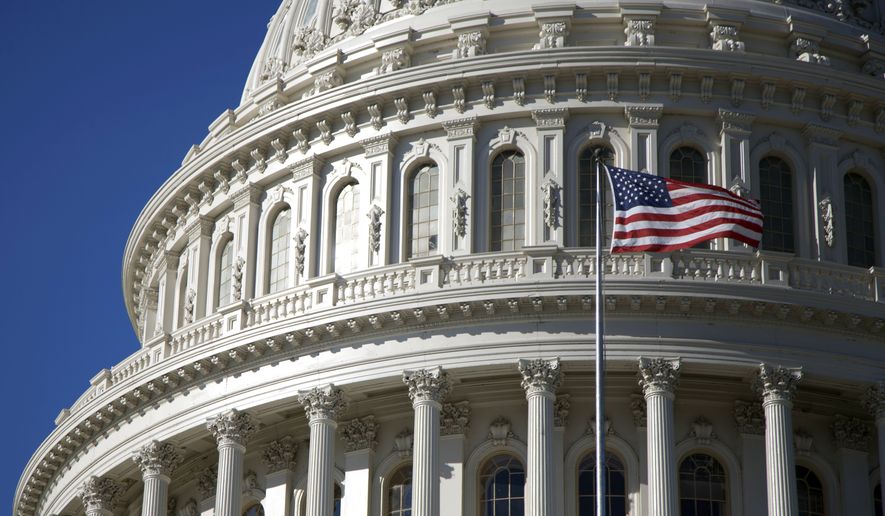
column 156, row 489
column 320, row 485
column 540, row 495
column 425, row 466
column 779, row 459
column 661, row 454
column 229, row 490
column 880, row 430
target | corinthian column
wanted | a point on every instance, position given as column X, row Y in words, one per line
column 776, row 385
column 658, row 378
column 323, row 406
column 427, row 389
column 157, row 461
column 540, row 379
column 232, row 431
column 100, row 495
column 875, row 403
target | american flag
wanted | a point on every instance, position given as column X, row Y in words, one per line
column 657, row 214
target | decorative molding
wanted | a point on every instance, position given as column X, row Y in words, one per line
column 427, row 384
column 374, row 215
column 280, row 454
column 640, row 32
column 461, row 128
column 359, row 434
column 874, row 400
column 702, row 431
column 552, row 203
column 325, row 402
column 519, row 91
column 581, row 86
column 157, row 459
column 430, row 108
column 803, row 442
column 460, row 212
column 300, row 249
column 725, row 38
column 734, row 122
column 488, row 94
column 459, row 100
column 499, row 431
column 403, row 443
column 658, row 375
column 233, row 426
column 454, row 418
column 750, row 417
column 777, row 383
column 207, row 480
column 550, row 118
column 470, row 44
column 607, row 427
column 851, row 433
column 378, row 145
column 394, row 59
column 644, row 116
column 552, row 35
column 540, row 376
column 561, row 407
column 807, row 50
column 100, row 494
column 825, row 205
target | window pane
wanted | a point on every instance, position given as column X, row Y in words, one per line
column 347, row 229
column 776, row 196
column 615, row 495
column 508, row 198
column 702, row 486
column 225, row 270
column 860, row 226
column 810, row 491
column 279, row 252
column 502, row 482
column 424, row 223
column 399, row 500
column 587, row 196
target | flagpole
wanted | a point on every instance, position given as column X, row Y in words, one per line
column 600, row 344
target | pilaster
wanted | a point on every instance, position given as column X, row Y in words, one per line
column 658, row 378
column 359, row 454
column 823, row 147
column 750, row 419
column 279, row 459
column 306, row 218
column 777, row 384
column 427, row 390
column 644, row 120
column 852, row 438
column 874, row 401
column 247, row 210
column 454, row 424
column 323, row 406
column 199, row 236
column 379, row 159
column 232, row 431
column 546, row 220
column 456, row 218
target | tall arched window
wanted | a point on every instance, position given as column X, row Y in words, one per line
column 810, row 491
column 508, row 201
column 502, row 483
column 689, row 165
column 776, row 195
column 587, row 195
column 225, row 270
column 346, row 246
column 877, row 499
column 424, row 215
column 279, row 252
column 255, row 510
column 615, row 484
column 702, row 486
column 860, row 227
column 399, row 494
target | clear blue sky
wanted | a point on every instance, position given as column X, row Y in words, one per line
column 101, row 100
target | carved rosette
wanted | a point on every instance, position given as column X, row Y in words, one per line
column 100, row 493
column 233, row 427
column 359, row 434
column 454, row 419
column 777, row 383
column 207, row 480
column 427, row 384
column 326, row 402
column 750, row 418
column 156, row 458
column 851, row 432
column 658, row 375
column 280, row 454
column 540, row 376
column 874, row 400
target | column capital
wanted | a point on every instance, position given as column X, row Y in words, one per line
column 427, row 384
column 540, row 376
column 324, row 402
column 851, row 433
column 777, row 383
column 157, row 458
column 874, row 399
column 280, row 454
column 233, row 426
column 658, row 375
column 359, row 434
column 100, row 493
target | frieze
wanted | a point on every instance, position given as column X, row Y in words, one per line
column 461, row 128
column 643, row 116
column 735, row 121
column 306, row 167
column 551, row 118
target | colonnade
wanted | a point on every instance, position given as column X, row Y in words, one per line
column 428, row 388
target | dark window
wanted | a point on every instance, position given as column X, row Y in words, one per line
column 502, row 483
column 877, row 499
column 508, row 201
column 776, row 195
column 255, row 510
column 615, row 485
column 860, row 227
column 810, row 491
column 702, row 486
column 424, row 215
column 587, row 195
column 689, row 165
column 399, row 499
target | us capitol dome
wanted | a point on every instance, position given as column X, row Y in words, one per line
column 369, row 289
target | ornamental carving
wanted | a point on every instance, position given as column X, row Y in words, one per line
column 552, row 203
column 300, row 250
column 851, row 432
column 427, row 384
column 374, row 215
column 808, row 50
column 702, row 430
column 560, row 410
column 207, row 480
column 394, row 59
column 454, row 418
column 189, row 306
column 825, row 205
column 640, row 32
column 233, row 427
column 156, row 458
column 100, row 493
column 306, row 43
column 280, row 454
column 460, row 128
column 874, row 399
column 359, row 434
column 326, row 402
column 606, row 426
column 750, row 417
column 237, row 278
column 725, row 38
column 552, row 35
column 470, row 44
column 191, row 508
column 460, row 213
column 499, row 431
column 645, row 116
column 322, row 82
column 354, row 16
column 874, row 67
column 540, row 375
column 803, row 442
column 777, row 383
column 658, row 375
column 403, row 443
column 639, row 409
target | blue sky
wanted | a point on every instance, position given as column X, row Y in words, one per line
column 101, row 100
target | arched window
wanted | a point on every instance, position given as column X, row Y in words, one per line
column 336, row 500
column 810, row 491
column 615, row 484
column 225, row 271
column 255, row 510
column 502, row 483
column 399, row 494
column 279, row 252
column 424, row 215
column 689, row 165
column 346, row 244
column 702, row 486
column 860, row 237
column 776, row 195
column 877, row 500
column 587, row 195
column 508, row 201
